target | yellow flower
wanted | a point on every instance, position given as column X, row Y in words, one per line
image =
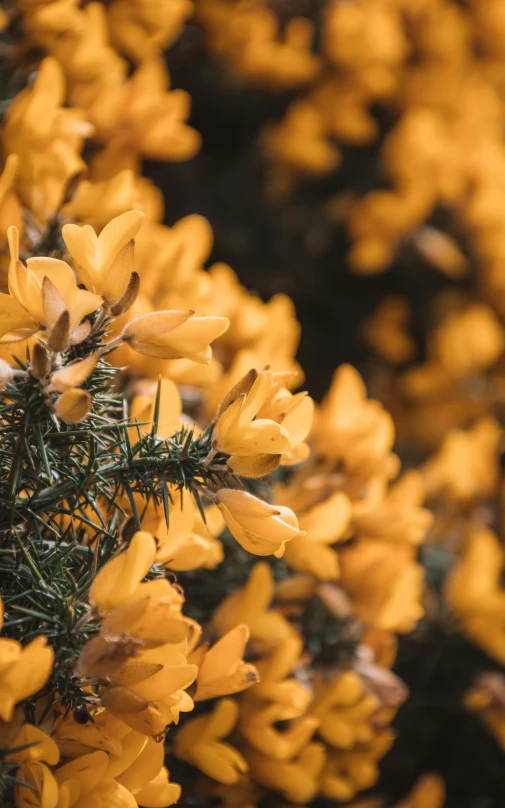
column 33, row 744
column 73, row 406
column 344, row 711
column 469, row 341
column 221, row 669
column 257, row 444
column 50, row 18
column 278, row 698
column 466, row 466
column 142, row 648
column 182, row 544
column 258, row 527
column 10, row 209
column 174, row 334
column 385, row 583
column 47, row 138
column 349, row 771
column 104, row 262
column 119, row 580
column 250, row 605
column 324, row 524
column 132, row 772
column 428, row 792
column 297, row 779
column 386, row 331
column 352, row 430
column 473, row 591
column 199, row 742
column 23, row 671
column 97, row 202
column 302, row 142
column 41, row 294
column 143, row 116
column 41, row 789
column 169, row 411
column 395, row 515
column 145, row 29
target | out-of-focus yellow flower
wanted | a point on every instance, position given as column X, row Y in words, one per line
column 468, row 341
column 466, row 467
column 23, row 671
column 97, row 202
column 260, row 528
column 344, row 710
column 297, row 779
column 104, row 263
column 248, row 37
column 395, row 515
column 385, row 583
column 428, row 792
column 221, row 669
column 325, row 523
column 49, row 19
column 47, row 138
column 199, row 742
column 142, row 116
column 250, row 605
column 278, row 697
column 352, row 429
column 473, row 591
column 301, row 141
column 39, row 295
column 386, row 331
column 143, row 406
column 143, row 29
column 349, row 771
column 10, row 209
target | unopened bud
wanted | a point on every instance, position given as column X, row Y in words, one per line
column 73, row 406
column 59, row 337
column 74, row 375
column 40, row 362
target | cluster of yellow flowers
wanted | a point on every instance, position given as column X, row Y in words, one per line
column 435, row 66
column 339, row 515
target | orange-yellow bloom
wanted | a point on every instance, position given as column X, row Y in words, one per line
column 104, row 262
column 222, row 670
column 258, row 527
column 199, row 742
column 250, row 605
column 174, row 334
column 39, row 295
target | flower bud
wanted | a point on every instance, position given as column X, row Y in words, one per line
column 257, row 526
column 73, row 406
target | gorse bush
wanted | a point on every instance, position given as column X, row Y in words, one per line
column 204, row 574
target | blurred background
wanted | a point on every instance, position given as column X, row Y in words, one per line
column 368, row 211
